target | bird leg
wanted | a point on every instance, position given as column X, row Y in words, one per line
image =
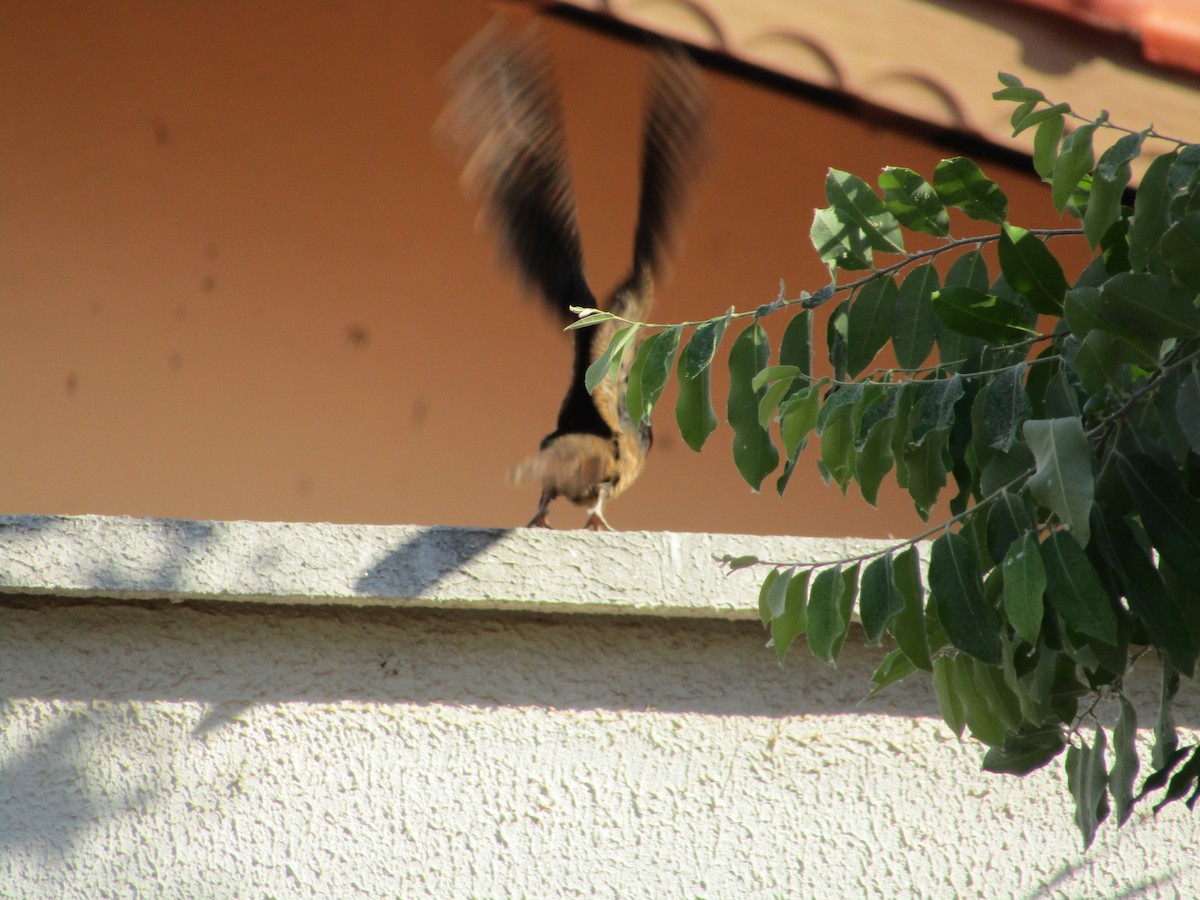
column 595, row 519
column 539, row 519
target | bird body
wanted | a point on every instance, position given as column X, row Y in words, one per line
column 505, row 114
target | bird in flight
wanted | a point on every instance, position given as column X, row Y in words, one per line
column 505, row 116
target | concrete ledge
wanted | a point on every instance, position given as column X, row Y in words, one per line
column 641, row 573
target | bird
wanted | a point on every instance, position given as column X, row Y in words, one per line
column 505, row 117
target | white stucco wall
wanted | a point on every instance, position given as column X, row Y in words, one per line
column 246, row 742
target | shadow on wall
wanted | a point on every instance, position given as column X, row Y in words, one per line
column 419, row 565
column 52, row 774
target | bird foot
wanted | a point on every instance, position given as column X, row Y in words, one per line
column 539, row 521
column 596, row 522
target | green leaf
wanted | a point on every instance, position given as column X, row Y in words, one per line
column 1045, row 145
column 924, row 455
column 846, row 609
column 1074, row 589
column 1023, row 753
column 1149, row 306
column 793, row 618
column 870, row 323
column 1166, row 738
column 1061, row 399
column 961, row 183
column 980, row 315
column 954, row 348
column 1000, row 698
column 1161, row 611
column 912, row 317
column 948, row 702
column 936, row 411
column 610, row 360
column 895, row 667
column 1022, row 110
column 1108, row 186
column 969, row 270
column 874, row 457
column 698, row 354
column 656, row 356
column 1019, row 93
column 978, row 715
column 837, row 434
column 839, row 243
column 1063, row 482
column 1024, row 584
column 1125, row 760
column 1170, row 515
column 1181, row 250
column 969, row 620
column 734, row 563
column 908, row 627
column 881, row 599
column 1075, row 160
column 837, row 330
column 1002, row 408
column 693, row 405
column 1032, row 269
column 594, row 317
column 906, row 404
column 795, row 348
column 1006, row 471
column 753, row 452
column 925, row 471
column 1099, row 364
column 1187, row 202
column 1008, row 520
column 856, row 202
column 798, row 417
column 1088, row 783
column 1187, row 408
column 1040, row 117
column 635, row 405
column 777, row 594
column 913, row 201
column 826, row 627
column 1150, row 212
column 1187, row 165
column 771, row 398
column 1085, row 314
column 764, row 597
column 773, row 373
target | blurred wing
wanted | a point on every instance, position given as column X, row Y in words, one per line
column 505, row 116
column 675, row 147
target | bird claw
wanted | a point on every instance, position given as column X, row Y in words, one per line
column 596, row 522
column 539, row 521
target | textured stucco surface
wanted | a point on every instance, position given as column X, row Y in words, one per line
column 215, row 749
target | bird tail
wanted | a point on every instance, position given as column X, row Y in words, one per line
column 675, row 147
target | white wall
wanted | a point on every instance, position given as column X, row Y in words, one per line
column 231, row 749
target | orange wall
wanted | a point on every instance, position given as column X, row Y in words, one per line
column 239, row 279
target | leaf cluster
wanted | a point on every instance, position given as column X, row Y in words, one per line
column 1059, row 415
